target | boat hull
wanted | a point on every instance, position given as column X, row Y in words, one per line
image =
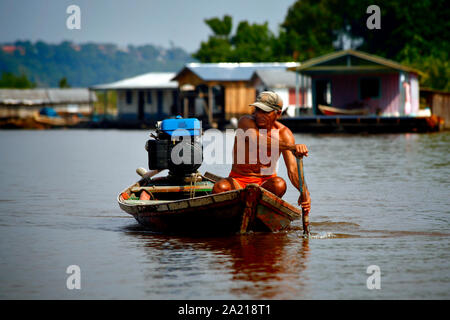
column 237, row 211
column 331, row 111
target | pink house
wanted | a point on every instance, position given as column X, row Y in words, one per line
column 351, row 82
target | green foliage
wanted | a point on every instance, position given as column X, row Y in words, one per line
column 309, row 29
column 252, row 42
column 63, row 83
column 87, row 64
column 214, row 50
column 220, row 27
column 413, row 33
column 9, row 80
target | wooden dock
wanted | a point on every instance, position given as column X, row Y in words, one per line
column 363, row 124
column 312, row 124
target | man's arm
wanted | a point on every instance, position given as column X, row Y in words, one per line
column 292, row 169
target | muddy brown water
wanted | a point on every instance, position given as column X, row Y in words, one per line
column 376, row 200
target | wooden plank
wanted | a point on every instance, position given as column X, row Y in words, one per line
column 172, row 188
column 212, row 177
column 147, row 202
column 252, row 196
column 200, row 202
column 282, row 206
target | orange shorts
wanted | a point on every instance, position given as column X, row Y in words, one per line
column 243, row 181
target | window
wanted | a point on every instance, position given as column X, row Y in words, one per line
column 129, row 96
column 369, row 88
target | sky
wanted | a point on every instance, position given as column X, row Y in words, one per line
column 136, row 22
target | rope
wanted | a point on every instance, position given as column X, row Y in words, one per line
column 193, row 185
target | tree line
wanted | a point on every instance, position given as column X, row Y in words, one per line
column 69, row 64
column 414, row 33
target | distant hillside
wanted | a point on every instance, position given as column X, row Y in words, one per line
column 86, row 64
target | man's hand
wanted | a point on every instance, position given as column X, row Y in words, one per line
column 306, row 203
column 300, row 150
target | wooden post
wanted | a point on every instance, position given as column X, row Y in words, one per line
column 251, row 194
column 185, row 107
column 297, row 89
column 91, row 111
column 105, row 104
column 302, row 86
column 401, row 96
column 210, row 105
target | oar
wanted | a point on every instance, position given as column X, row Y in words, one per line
column 301, row 182
column 146, row 174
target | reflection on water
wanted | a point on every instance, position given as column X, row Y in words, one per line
column 376, row 200
column 260, row 265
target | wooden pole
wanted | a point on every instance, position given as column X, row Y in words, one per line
column 185, row 107
column 210, row 105
column 105, row 104
column 297, row 89
column 302, row 186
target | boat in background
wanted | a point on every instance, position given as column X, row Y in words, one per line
column 331, row 111
column 55, row 122
column 45, row 118
column 49, row 118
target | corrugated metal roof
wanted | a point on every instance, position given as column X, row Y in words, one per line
column 72, row 95
column 311, row 64
column 232, row 71
column 46, row 96
column 144, row 81
column 276, row 78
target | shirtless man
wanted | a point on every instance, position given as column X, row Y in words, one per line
column 263, row 131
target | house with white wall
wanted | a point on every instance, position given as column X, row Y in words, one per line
column 150, row 96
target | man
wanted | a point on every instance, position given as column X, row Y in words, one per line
column 266, row 137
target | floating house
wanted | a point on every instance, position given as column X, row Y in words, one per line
column 353, row 82
column 147, row 97
column 24, row 103
column 220, row 91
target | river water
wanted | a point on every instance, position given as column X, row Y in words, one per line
column 377, row 200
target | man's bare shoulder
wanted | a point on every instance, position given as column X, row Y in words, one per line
column 246, row 122
column 284, row 132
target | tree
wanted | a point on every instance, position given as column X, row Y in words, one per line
column 9, row 80
column 414, row 33
column 63, row 83
column 218, row 47
column 308, row 30
column 252, row 42
column 221, row 28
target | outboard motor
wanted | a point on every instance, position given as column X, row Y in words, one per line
column 176, row 146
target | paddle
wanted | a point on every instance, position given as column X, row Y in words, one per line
column 301, row 182
column 146, row 174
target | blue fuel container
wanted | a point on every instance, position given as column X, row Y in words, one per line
column 181, row 127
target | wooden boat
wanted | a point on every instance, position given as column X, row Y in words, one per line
column 331, row 111
column 55, row 122
column 175, row 209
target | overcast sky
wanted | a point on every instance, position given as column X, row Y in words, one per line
column 136, row 22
